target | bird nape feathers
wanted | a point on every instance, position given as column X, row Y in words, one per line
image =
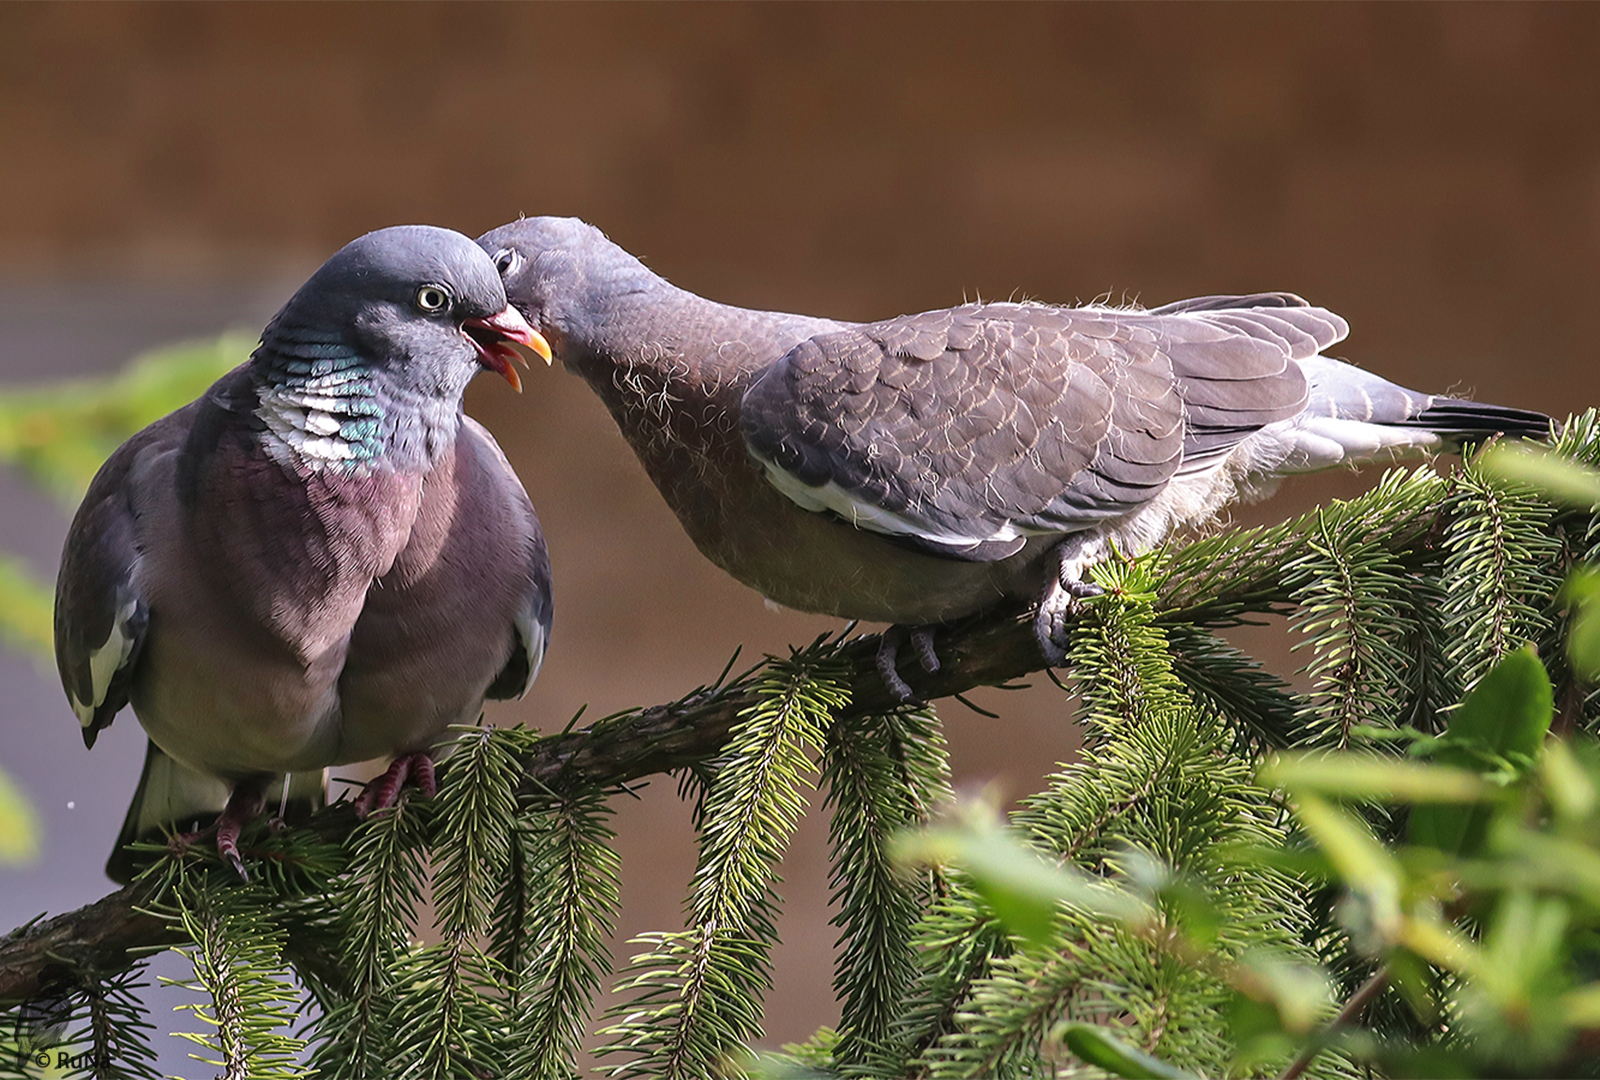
column 319, row 561
column 925, row 467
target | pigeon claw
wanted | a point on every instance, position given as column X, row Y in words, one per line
column 384, row 791
column 245, row 804
column 228, row 848
column 921, row 638
column 1060, row 606
column 1061, row 600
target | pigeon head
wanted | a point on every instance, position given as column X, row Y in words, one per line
column 571, row 283
column 421, row 305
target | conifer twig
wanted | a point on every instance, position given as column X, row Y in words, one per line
column 1348, row 1015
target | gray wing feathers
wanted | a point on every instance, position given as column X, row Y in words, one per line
column 961, row 430
column 100, row 611
column 1240, row 362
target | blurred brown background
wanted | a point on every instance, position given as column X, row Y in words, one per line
column 1431, row 172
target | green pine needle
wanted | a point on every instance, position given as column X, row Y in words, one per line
column 883, row 774
column 694, row 997
column 572, row 880
column 376, row 907
column 237, row 952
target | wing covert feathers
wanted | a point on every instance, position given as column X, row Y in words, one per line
column 100, row 613
column 963, row 430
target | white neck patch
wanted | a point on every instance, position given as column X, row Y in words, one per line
column 308, row 421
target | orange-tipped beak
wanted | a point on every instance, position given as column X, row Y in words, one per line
column 492, row 338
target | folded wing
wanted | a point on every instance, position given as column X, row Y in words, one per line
column 963, row 431
column 101, row 611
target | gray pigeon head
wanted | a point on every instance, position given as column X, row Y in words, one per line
column 564, row 275
column 421, row 304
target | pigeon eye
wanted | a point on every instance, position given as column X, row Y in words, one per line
column 431, row 298
column 506, row 261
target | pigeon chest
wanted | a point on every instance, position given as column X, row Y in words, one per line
column 682, row 422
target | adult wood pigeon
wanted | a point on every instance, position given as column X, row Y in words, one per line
column 922, row 468
column 321, row 560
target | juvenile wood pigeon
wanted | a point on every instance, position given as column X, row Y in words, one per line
column 321, row 560
column 922, row 468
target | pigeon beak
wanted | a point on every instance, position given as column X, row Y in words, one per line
column 492, row 338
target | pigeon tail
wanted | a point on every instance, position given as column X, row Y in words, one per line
column 1462, row 423
column 1353, row 415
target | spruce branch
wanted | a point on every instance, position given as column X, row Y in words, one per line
column 237, row 952
column 573, row 890
column 101, row 1031
column 1216, row 581
column 1501, row 546
column 377, row 903
column 1156, row 801
column 1351, row 599
column 57, row 955
column 511, row 921
column 1231, row 684
column 477, row 808
column 1432, row 685
column 1119, row 658
column 956, row 941
column 699, row 991
column 448, row 1018
column 1001, row 1030
column 117, row 1030
column 882, row 775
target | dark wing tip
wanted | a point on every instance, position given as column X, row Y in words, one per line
column 512, row 679
column 1474, row 421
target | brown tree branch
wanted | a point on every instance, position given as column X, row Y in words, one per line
column 1348, row 1015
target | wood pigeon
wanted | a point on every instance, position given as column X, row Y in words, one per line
column 922, row 468
column 321, row 560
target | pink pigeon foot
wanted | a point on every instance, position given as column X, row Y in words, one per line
column 244, row 806
column 382, row 792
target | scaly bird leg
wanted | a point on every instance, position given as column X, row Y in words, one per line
column 245, row 804
column 889, row 652
column 1063, row 595
column 382, row 792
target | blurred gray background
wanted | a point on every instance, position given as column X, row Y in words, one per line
column 1431, row 172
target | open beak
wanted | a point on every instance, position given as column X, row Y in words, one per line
column 492, row 337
